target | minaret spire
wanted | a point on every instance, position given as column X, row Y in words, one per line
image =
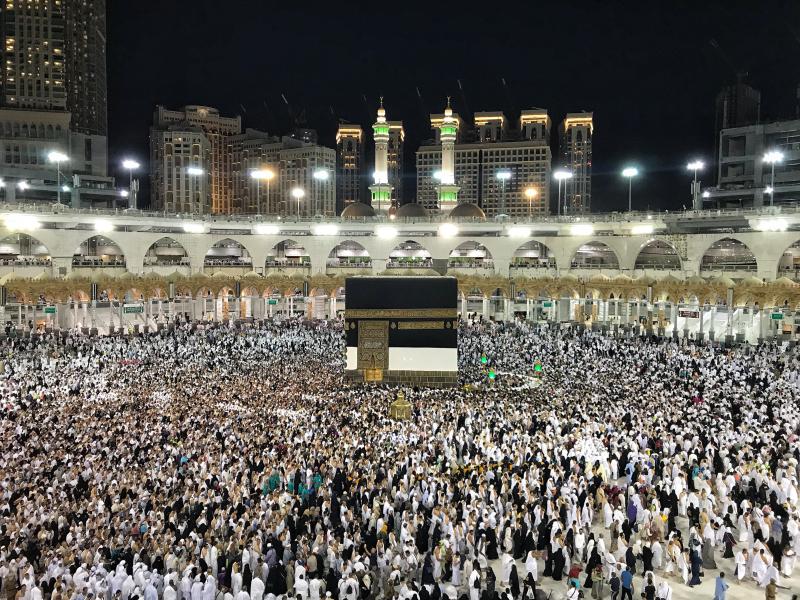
column 447, row 188
column 381, row 190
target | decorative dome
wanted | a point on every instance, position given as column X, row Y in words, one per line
column 358, row 210
column 468, row 210
column 411, row 210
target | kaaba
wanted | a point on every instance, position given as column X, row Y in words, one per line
column 402, row 330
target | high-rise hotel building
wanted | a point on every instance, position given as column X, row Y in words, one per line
column 216, row 129
column 203, row 163
column 522, row 150
column 350, row 181
column 575, row 147
column 53, row 97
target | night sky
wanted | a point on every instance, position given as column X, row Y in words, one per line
column 649, row 71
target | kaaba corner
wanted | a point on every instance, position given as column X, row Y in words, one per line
column 402, row 330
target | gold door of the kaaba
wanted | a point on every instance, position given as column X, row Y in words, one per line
column 373, row 348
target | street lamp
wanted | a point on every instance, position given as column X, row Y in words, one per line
column 297, row 194
column 322, row 176
column 530, row 194
column 261, row 175
column 772, row 157
column 630, row 173
column 503, row 176
column 131, row 165
column 695, row 166
column 54, row 156
column 562, row 175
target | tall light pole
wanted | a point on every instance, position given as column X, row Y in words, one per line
column 561, row 175
column 297, row 194
column 503, row 176
column 695, row 166
column 261, row 175
column 57, row 157
column 530, row 194
column 322, row 175
column 630, row 173
column 130, row 166
column 772, row 157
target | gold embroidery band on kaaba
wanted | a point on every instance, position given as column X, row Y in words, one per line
column 401, row 313
column 420, row 325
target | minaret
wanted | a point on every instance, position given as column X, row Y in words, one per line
column 381, row 190
column 447, row 188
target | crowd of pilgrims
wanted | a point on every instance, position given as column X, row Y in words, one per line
column 236, row 464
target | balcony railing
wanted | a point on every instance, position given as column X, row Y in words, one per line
column 89, row 261
column 162, row 261
column 350, row 264
column 404, row 263
column 228, row 262
column 788, row 208
column 25, row 262
column 470, row 264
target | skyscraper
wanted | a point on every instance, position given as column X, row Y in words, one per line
column 349, row 164
column 54, row 94
column 737, row 105
column 395, row 160
column 180, row 169
column 216, row 129
column 576, row 153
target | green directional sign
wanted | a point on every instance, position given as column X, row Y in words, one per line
column 49, row 310
column 133, row 309
column 272, row 301
column 776, row 316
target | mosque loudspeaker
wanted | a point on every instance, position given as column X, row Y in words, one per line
column 94, row 292
column 305, row 289
column 3, row 295
column 171, row 290
column 237, row 289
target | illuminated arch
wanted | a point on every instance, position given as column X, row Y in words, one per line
column 728, row 254
column 658, row 254
column 595, row 255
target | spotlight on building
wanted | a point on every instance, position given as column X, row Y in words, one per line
column 194, row 228
column 103, row 226
column 642, row 229
column 581, row 229
column 386, row 233
column 16, row 222
column 519, row 232
column 448, row 230
column 266, row 229
column 326, row 229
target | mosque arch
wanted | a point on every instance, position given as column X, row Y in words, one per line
column 98, row 251
column 789, row 262
column 533, row 254
column 289, row 253
column 409, row 253
column 595, row 255
column 21, row 248
column 227, row 253
column 728, row 254
column 166, row 251
column 470, row 254
column 658, row 254
column 349, row 253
